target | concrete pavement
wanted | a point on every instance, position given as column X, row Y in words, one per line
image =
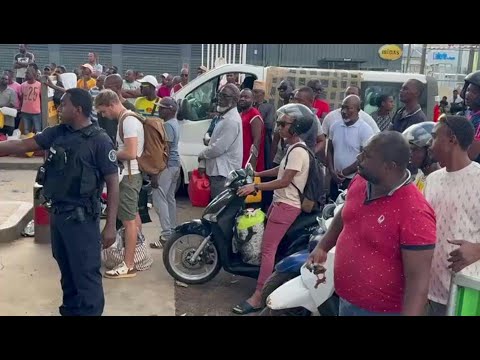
column 30, row 279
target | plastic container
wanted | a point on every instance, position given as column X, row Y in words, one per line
column 255, row 198
column 199, row 189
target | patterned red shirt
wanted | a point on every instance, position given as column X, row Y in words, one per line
column 368, row 257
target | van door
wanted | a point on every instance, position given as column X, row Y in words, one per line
column 195, row 115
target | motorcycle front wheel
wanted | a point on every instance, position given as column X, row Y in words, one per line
column 177, row 254
column 276, row 280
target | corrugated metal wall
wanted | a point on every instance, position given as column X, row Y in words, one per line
column 8, row 52
column 74, row 55
column 156, row 59
column 152, row 59
column 308, row 55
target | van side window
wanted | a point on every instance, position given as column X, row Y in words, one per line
column 371, row 91
column 198, row 105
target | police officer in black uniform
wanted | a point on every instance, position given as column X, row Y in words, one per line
column 80, row 159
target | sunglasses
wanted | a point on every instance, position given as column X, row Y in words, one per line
column 283, row 123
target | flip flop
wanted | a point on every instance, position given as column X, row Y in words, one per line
column 245, row 308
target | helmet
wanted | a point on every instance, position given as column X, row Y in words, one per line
column 302, row 117
column 473, row 78
column 419, row 134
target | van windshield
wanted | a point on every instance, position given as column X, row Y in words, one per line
column 372, row 90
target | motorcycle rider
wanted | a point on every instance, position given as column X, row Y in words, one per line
column 419, row 136
column 292, row 121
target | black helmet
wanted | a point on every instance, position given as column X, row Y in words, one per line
column 302, row 117
column 419, row 134
column 473, row 78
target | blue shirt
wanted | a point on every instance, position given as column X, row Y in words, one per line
column 101, row 154
column 172, row 130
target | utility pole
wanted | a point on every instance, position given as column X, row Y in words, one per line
column 424, row 56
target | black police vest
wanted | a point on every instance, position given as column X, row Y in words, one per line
column 67, row 175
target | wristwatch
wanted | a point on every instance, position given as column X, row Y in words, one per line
column 255, row 186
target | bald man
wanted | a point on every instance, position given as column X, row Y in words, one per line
column 346, row 139
column 114, row 82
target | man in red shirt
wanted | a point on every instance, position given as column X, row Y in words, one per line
column 183, row 81
column 321, row 105
column 384, row 236
column 166, row 88
column 253, row 131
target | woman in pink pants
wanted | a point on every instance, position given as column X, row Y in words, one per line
column 292, row 120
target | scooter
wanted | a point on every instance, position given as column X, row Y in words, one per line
column 305, row 291
column 198, row 249
column 290, row 267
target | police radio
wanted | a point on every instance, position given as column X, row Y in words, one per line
column 56, row 158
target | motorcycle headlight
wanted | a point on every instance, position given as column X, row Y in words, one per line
column 231, row 178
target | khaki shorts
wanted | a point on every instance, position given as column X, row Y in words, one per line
column 130, row 187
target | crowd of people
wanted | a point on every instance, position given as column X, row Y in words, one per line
column 397, row 237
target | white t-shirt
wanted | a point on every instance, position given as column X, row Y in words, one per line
column 299, row 160
column 347, row 142
column 132, row 127
column 456, row 201
column 336, row 115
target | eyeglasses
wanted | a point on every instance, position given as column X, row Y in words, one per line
column 283, row 123
column 223, row 95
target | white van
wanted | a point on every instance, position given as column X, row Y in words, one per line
column 198, row 96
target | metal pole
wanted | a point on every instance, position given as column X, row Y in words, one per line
column 202, row 54
column 229, row 57
column 471, row 55
column 409, row 56
column 244, row 54
column 217, row 52
column 208, row 56
column 424, row 56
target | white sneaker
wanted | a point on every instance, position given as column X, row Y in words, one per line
column 121, row 271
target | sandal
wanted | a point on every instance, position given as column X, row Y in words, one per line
column 245, row 308
column 156, row 245
column 160, row 243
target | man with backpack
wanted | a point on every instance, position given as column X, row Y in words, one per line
column 293, row 176
column 130, row 140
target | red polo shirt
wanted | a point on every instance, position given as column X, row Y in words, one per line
column 368, row 257
column 322, row 107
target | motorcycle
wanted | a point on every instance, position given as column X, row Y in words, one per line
column 290, row 267
column 198, row 249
